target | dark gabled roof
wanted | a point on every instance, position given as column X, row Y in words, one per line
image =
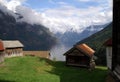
column 69, row 51
column 83, row 48
column 1, row 46
column 108, row 42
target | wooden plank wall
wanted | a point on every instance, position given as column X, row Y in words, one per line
column 44, row 54
column 1, row 56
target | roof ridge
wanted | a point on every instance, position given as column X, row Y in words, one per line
column 85, row 48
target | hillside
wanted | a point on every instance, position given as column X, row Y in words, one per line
column 35, row 69
column 33, row 37
column 96, row 41
column 69, row 38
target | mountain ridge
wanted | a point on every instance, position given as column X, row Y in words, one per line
column 70, row 38
column 34, row 37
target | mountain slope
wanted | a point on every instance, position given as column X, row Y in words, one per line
column 96, row 41
column 101, row 36
column 69, row 38
column 34, row 37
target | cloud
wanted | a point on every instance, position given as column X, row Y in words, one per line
column 12, row 4
column 64, row 17
column 4, row 8
column 62, row 3
column 58, row 51
column 84, row 0
column 51, row 1
column 30, row 16
column 3, row 1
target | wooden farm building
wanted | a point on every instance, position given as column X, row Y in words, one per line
column 43, row 54
column 13, row 48
column 80, row 55
column 113, row 63
column 108, row 45
column 1, row 51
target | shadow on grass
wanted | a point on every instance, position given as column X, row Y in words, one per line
column 6, row 81
column 76, row 74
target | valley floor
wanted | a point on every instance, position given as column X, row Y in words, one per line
column 35, row 69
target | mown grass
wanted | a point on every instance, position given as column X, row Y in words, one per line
column 35, row 69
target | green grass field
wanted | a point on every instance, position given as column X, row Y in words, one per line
column 35, row 69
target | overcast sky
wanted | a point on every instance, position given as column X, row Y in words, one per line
column 62, row 15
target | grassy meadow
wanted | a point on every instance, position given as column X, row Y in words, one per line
column 35, row 69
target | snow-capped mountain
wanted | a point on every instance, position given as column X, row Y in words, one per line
column 69, row 38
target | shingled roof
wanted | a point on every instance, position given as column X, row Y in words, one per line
column 1, row 46
column 83, row 48
column 12, row 44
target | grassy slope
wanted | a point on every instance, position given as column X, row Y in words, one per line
column 34, row 69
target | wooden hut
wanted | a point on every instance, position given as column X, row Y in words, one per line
column 43, row 54
column 1, row 51
column 80, row 55
column 13, row 48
